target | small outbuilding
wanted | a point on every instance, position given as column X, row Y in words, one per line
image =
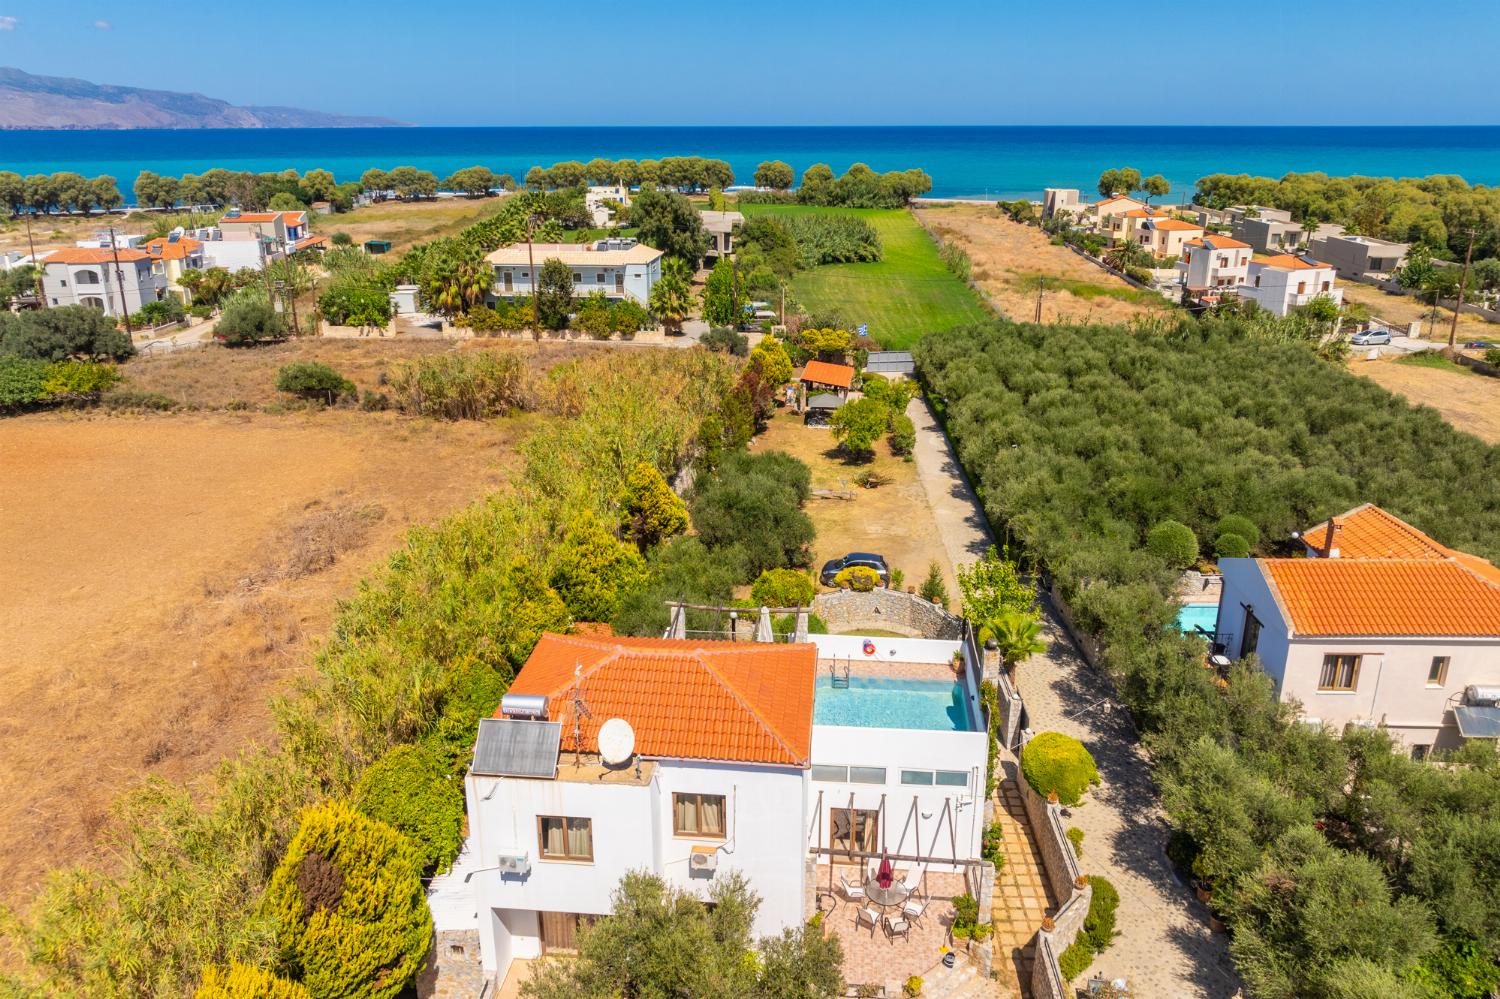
column 377, row 246
column 890, row 363
column 823, row 376
column 819, row 408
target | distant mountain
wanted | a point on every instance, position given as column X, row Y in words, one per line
column 28, row 101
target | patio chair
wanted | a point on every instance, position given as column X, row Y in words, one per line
column 897, row 926
column 915, row 907
column 853, row 892
column 865, row 914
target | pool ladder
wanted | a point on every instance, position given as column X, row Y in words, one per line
column 835, row 679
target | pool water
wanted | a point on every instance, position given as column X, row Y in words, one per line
column 1195, row 616
column 877, row 702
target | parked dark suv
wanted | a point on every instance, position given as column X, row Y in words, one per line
column 832, row 567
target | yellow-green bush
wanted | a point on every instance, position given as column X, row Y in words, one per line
column 860, row 578
column 240, row 981
column 347, row 898
column 1056, row 762
column 413, row 790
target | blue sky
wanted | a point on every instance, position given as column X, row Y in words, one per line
column 446, row 62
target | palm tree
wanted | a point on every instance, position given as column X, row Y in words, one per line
column 1018, row 633
column 1123, row 255
column 671, row 295
column 458, row 284
column 1309, row 226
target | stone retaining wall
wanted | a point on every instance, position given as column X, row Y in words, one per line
column 1068, row 884
column 453, row 970
column 1091, row 650
column 887, row 610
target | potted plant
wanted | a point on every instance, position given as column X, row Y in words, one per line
column 912, row 988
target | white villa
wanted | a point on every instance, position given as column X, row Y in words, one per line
column 621, row 268
column 1378, row 625
column 720, row 227
column 1213, row 264
column 1282, row 283
column 115, row 281
column 795, row 764
column 599, row 197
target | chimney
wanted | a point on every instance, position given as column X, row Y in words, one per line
column 1330, row 539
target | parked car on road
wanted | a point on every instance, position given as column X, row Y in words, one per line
column 1371, row 338
column 833, row 567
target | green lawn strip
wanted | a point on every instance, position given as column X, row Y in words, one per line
column 905, row 295
column 1431, row 359
column 1029, row 281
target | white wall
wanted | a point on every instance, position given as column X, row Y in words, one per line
column 232, row 254
column 61, row 285
column 1278, row 288
column 897, row 749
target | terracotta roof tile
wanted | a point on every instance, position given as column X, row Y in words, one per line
column 93, row 255
column 735, row 701
column 1215, row 242
column 1289, row 262
column 824, row 373
column 180, row 250
column 1176, row 225
column 1367, row 531
column 1342, row 596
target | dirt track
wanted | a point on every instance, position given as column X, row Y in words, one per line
column 164, row 575
column 1469, row 401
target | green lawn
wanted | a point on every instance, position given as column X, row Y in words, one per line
column 910, row 292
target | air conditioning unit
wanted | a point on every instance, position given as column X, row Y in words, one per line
column 513, row 863
column 704, row 858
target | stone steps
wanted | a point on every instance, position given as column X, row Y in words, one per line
column 962, row 981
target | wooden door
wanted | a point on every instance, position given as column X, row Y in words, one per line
column 559, row 932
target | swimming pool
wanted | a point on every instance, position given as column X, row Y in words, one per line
column 877, row 702
column 1195, row 616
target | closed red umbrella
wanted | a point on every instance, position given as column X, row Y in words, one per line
column 883, row 876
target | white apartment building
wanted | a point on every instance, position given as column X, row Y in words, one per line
column 720, row 227
column 87, row 276
column 1378, row 625
column 1282, row 283
column 692, row 758
column 599, row 197
column 621, row 268
column 1212, row 264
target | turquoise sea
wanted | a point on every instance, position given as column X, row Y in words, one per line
column 976, row 161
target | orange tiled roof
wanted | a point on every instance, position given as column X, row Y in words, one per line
column 738, row 701
column 1339, row 596
column 166, row 250
column 1145, row 213
column 1118, row 197
column 250, row 217
column 1288, row 262
column 93, row 255
column 294, row 218
column 1367, row 531
column 1218, row 243
column 824, row 373
column 1176, row 225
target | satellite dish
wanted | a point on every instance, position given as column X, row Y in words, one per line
column 616, row 742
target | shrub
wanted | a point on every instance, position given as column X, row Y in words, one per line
column 313, row 380
column 1174, row 543
column 903, row 435
column 1075, row 836
column 651, row 511
column 470, row 386
column 754, row 504
column 1492, row 356
column 858, row 424
column 351, row 304
column 135, row 399
column 782, row 588
column 591, row 571
column 78, row 381
column 247, row 321
column 965, row 911
column 374, row 402
column 992, row 844
column 1231, row 546
column 869, row 478
column 726, row 341
column 60, row 333
column 912, row 988
column 347, row 898
column 200, row 311
column 1075, row 960
column 240, row 981
column 933, row 589
column 412, row 790
column 342, row 239
column 1243, row 526
column 859, row 578
column 1099, row 924
column 1053, row 762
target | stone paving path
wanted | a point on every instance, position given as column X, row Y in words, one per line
column 1022, row 896
column 961, row 524
column 1164, row 946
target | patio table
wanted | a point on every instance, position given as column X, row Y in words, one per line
column 896, row 894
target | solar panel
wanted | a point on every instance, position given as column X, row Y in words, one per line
column 1478, row 723
column 513, row 747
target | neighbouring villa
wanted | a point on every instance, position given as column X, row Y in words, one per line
column 802, row 765
column 1211, row 265
column 1281, row 283
column 1379, row 625
column 115, row 280
column 173, row 256
column 619, row 267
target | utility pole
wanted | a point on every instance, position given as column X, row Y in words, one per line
column 36, row 267
column 1463, row 283
column 265, row 263
column 114, row 251
column 536, row 329
column 1040, row 284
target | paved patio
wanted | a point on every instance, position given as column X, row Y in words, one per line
column 878, row 958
